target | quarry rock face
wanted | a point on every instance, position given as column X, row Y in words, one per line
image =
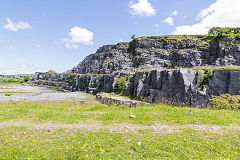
column 107, row 59
column 182, row 86
column 162, row 52
column 158, row 69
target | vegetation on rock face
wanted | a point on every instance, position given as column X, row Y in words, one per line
column 226, row 101
column 71, row 71
column 121, row 82
column 204, row 77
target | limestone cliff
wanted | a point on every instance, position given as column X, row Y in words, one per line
column 156, row 69
column 163, row 52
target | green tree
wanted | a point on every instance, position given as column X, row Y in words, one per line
column 133, row 37
column 26, row 78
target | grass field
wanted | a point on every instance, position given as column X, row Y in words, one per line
column 14, row 79
column 90, row 130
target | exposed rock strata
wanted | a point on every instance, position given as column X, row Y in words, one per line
column 181, row 86
column 184, row 86
column 110, row 100
column 162, row 52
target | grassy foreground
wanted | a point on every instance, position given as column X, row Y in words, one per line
column 90, row 130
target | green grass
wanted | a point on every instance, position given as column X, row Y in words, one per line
column 14, row 79
column 11, row 80
column 25, row 143
column 73, row 112
column 40, row 132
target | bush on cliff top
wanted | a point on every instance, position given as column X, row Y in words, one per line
column 51, row 71
column 224, row 30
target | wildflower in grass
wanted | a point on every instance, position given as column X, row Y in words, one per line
column 29, row 158
column 82, row 147
column 20, row 147
column 86, row 155
column 101, row 149
column 226, row 159
column 33, row 140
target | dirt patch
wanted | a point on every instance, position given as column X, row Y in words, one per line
column 120, row 127
column 18, row 92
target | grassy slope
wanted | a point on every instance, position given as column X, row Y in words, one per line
column 29, row 141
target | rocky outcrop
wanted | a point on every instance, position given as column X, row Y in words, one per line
column 79, row 82
column 162, row 52
column 180, row 86
column 107, row 59
column 184, row 86
column 117, row 100
column 157, row 84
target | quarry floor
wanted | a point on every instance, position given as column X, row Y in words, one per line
column 24, row 92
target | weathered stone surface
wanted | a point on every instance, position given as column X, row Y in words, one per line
column 107, row 59
column 110, row 100
column 182, row 86
column 162, row 52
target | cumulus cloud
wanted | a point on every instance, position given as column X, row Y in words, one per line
column 174, row 13
column 222, row 13
column 142, row 8
column 78, row 36
column 156, row 25
column 169, row 20
column 16, row 26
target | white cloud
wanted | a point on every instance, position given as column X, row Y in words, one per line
column 142, row 8
column 15, row 26
column 78, row 36
column 174, row 13
column 169, row 20
column 156, row 25
column 222, row 13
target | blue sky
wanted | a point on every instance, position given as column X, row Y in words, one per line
column 39, row 35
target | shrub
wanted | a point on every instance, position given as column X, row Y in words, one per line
column 169, row 66
column 204, row 77
column 26, row 78
column 133, row 37
column 121, row 82
column 51, row 71
column 226, row 101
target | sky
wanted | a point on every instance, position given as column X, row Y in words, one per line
column 42, row 35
